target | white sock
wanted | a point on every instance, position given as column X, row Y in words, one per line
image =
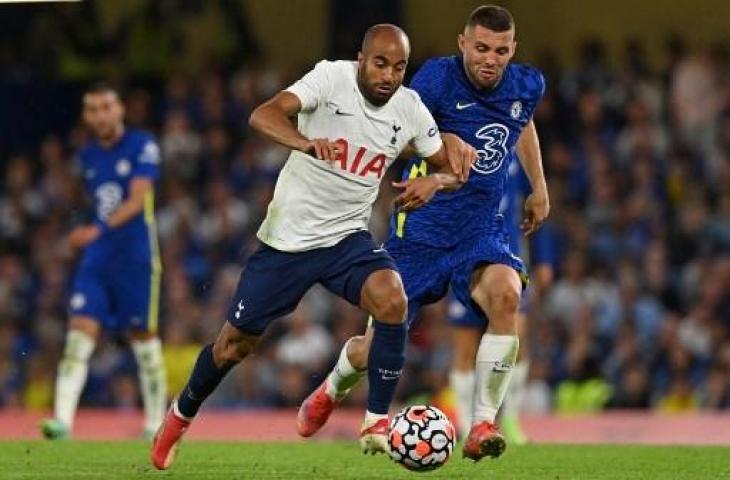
column 462, row 382
column 152, row 380
column 512, row 404
column 495, row 360
column 372, row 418
column 343, row 377
column 72, row 371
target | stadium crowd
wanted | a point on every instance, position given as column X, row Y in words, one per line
column 636, row 314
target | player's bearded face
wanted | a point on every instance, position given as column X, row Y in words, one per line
column 379, row 75
column 103, row 113
column 486, row 54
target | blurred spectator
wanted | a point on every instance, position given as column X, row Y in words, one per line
column 306, row 344
column 680, row 398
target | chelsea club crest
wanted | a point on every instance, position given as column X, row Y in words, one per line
column 516, row 109
column 123, row 167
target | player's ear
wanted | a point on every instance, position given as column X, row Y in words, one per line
column 360, row 58
column 460, row 39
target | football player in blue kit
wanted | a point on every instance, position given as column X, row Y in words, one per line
column 459, row 239
column 468, row 327
column 117, row 282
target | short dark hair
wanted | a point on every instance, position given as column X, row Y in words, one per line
column 102, row 87
column 492, row 17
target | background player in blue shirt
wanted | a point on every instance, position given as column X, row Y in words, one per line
column 117, row 282
column 459, row 239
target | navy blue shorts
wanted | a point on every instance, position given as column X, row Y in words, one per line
column 429, row 271
column 273, row 282
column 119, row 297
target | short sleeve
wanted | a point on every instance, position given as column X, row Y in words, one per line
column 313, row 87
column 426, row 139
column 541, row 85
column 148, row 161
column 537, row 89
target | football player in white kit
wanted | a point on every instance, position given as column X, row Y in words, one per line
column 354, row 119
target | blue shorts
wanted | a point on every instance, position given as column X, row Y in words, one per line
column 120, row 297
column 428, row 271
column 273, row 282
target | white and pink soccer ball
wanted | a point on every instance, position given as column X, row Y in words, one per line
column 421, row 438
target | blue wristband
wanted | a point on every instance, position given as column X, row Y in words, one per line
column 103, row 226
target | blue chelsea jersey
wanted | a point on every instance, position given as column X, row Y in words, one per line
column 491, row 121
column 107, row 174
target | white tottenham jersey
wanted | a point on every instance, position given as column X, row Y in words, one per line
column 318, row 203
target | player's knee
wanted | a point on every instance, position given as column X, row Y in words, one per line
column 504, row 299
column 391, row 307
column 384, row 298
column 497, row 300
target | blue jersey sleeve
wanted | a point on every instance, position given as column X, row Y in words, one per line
column 536, row 88
column 428, row 82
column 147, row 161
column 541, row 85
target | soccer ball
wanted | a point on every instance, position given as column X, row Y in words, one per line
column 421, row 438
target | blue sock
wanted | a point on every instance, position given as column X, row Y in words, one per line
column 203, row 381
column 385, row 364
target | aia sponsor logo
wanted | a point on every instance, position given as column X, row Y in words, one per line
column 360, row 161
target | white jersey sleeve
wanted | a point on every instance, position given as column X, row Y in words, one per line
column 313, row 87
column 426, row 139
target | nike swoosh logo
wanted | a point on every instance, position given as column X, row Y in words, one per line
column 340, row 112
column 379, row 250
column 462, row 106
column 500, row 367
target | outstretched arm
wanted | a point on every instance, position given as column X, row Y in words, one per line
column 537, row 204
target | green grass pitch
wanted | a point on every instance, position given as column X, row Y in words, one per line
column 342, row 460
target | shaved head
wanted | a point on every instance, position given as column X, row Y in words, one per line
column 382, row 62
column 385, row 34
